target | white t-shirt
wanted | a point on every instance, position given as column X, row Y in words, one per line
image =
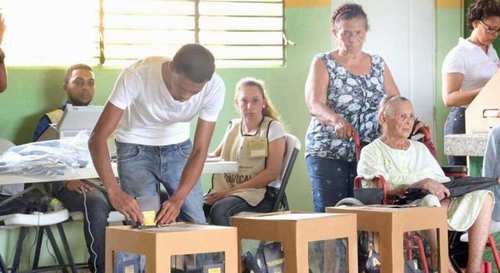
column 470, row 60
column 151, row 115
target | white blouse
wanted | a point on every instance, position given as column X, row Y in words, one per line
column 470, row 60
column 399, row 167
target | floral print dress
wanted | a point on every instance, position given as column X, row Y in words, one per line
column 356, row 98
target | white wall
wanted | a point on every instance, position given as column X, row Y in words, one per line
column 403, row 33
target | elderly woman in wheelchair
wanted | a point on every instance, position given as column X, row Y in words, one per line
column 407, row 164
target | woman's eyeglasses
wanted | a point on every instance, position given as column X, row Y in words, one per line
column 489, row 28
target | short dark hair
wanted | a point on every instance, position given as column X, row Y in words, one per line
column 67, row 76
column 195, row 62
column 347, row 12
column 482, row 9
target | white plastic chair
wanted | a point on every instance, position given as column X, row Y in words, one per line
column 41, row 220
column 292, row 150
column 44, row 221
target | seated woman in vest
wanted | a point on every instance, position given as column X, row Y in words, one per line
column 406, row 163
column 257, row 141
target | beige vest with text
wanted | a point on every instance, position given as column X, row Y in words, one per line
column 251, row 160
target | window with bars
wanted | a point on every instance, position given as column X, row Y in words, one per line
column 49, row 32
column 240, row 33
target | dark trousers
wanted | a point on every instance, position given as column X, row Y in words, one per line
column 17, row 205
column 455, row 124
column 95, row 222
column 221, row 211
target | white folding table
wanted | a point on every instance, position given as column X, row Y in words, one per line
column 90, row 173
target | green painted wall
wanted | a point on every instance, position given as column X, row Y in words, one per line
column 33, row 91
column 449, row 26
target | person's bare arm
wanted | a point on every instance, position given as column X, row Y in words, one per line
column 121, row 201
column 192, row 171
column 79, row 186
column 391, row 89
column 3, row 70
column 2, row 28
column 217, row 152
column 451, row 92
column 315, row 97
column 433, row 187
column 262, row 179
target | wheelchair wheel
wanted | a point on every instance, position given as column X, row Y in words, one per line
column 349, row 202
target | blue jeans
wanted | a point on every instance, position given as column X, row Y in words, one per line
column 491, row 166
column 143, row 168
column 491, row 161
column 221, row 211
column 98, row 208
column 455, row 124
column 332, row 180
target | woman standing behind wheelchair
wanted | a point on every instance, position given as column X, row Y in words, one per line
column 343, row 91
column 469, row 66
column 257, row 142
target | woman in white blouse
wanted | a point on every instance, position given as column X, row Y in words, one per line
column 470, row 65
column 406, row 163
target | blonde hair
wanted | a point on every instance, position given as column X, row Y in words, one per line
column 269, row 110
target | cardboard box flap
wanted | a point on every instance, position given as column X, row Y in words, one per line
column 294, row 216
column 286, row 216
column 484, row 111
column 175, row 227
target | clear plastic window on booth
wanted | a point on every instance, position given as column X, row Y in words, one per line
column 262, row 256
column 420, row 251
column 268, row 256
column 328, row 256
column 127, row 262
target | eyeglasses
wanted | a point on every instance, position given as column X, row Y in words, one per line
column 489, row 28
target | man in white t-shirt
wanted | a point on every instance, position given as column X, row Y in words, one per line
column 151, row 105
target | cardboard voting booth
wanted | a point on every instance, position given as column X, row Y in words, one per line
column 176, row 248
column 484, row 111
column 402, row 239
column 297, row 242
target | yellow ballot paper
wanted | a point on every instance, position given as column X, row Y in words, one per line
column 214, row 270
column 149, row 205
column 149, row 217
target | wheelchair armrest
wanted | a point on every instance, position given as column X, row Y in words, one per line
column 380, row 184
